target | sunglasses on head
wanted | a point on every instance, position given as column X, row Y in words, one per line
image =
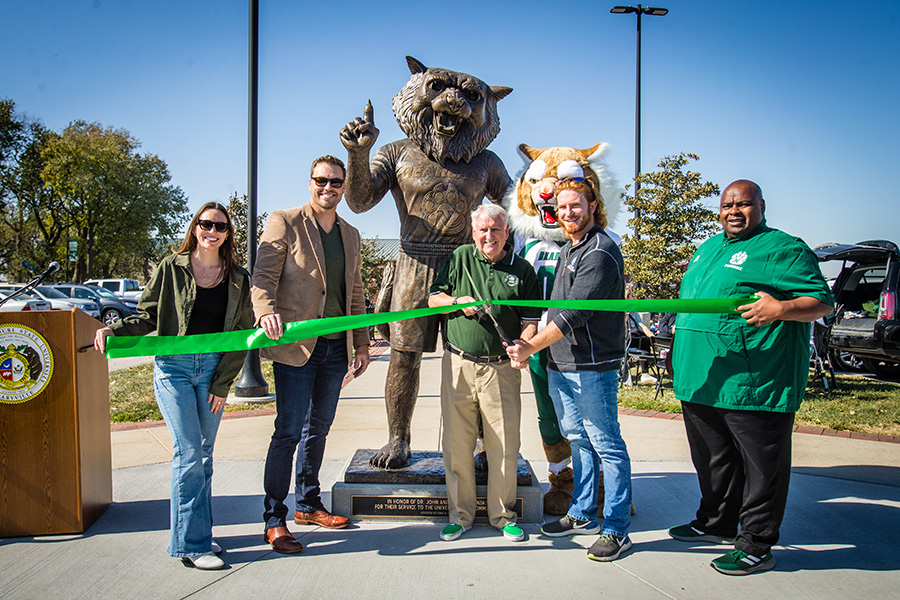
column 577, row 179
column 323, row 181
column 220, row 226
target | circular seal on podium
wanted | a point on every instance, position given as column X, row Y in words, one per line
column 26, row 363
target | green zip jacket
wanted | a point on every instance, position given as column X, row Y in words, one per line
column 720, row 360
column 167, row 303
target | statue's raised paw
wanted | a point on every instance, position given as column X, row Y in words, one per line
column 393, row 455
column 361, row 133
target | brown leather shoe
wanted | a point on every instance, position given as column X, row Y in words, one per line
column 282, row 541
column 321, row 517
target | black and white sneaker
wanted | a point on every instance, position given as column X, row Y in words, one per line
column 689, row 533
column 608, row 547
column 569, row 526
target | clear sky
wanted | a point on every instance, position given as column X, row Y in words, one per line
column 800, row 96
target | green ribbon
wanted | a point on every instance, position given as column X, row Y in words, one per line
column 699, row 305
column 129, row 346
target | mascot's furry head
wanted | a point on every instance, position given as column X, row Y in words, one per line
column 449, row 115
column 531, row 202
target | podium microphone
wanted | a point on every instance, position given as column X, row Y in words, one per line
column 51, row 269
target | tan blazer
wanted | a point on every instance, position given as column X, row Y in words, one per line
column 289, row 278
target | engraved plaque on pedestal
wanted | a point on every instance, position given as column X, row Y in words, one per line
column 417, row 492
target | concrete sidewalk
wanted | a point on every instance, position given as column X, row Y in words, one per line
column 843, row 521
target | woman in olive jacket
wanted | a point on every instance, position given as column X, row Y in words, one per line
column 198, row 289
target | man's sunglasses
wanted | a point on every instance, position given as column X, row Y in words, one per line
column 323, row 181
column 205, row 225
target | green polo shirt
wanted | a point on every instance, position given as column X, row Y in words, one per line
column 510, row 278
column 720, row 360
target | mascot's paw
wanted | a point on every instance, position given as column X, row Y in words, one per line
column 558, row 452
column 481, row 463
column 559, row 497
column 393, row 455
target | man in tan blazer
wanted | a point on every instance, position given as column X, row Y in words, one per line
column 307, row 267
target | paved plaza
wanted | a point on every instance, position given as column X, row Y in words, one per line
column 838, row 540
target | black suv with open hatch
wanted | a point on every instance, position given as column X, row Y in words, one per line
column 866, row 327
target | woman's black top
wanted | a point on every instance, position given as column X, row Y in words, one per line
column 208, row 315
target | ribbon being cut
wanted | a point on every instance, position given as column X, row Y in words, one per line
column 128, row 346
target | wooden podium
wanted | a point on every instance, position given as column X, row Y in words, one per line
column 55, row 463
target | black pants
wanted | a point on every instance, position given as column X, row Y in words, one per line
column 743, row 462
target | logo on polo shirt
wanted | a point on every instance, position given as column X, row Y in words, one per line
column 737, row 259
column 511, row 280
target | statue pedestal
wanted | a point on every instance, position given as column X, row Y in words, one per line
column 417, row 491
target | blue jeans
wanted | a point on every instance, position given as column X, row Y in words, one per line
column 587, row 405
column 305, row 402
column 181, row 383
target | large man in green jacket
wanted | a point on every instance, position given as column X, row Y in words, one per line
column 740, row 378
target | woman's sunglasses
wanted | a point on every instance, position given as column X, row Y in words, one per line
column 205, row 225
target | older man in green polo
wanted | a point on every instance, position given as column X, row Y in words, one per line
column 478, row 378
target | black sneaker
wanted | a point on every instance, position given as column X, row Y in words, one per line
column 687, row 533
column 608, row 547
column 569, row 526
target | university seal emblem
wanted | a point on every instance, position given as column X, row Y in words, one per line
column 26, row 363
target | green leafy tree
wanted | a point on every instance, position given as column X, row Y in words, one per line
column 673, row 217
column 31, row 223
column 372, row 262
column 118, row 204
column 238, row 208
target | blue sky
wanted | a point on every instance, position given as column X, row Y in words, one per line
column 800, row 96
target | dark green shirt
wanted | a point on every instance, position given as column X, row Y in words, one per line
column 335, row 286
column 510, row 278
column 720, row 360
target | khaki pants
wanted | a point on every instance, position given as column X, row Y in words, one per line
column 491, row 389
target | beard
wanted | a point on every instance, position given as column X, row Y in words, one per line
column 574, row 229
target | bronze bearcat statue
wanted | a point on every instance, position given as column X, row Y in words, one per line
column 437, row 176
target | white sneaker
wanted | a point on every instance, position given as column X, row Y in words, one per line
column 215, row 548
column 205, row 562
column 647, row 378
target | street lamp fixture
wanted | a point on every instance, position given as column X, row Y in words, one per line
column 639, row 10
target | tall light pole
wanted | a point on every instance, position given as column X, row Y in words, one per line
column 252, row 384
column 639, row 10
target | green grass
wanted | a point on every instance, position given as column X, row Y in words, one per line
column 131, row 395
column 858, row 404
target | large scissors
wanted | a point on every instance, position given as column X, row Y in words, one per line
column 487, row 310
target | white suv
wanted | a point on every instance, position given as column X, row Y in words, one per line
column 123, row 288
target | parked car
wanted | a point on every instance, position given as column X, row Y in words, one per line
column 866, row 324
column 57, row 301
column 112, row 308
column 22, row 304
column 123, row 288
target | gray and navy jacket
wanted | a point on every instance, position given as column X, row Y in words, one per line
column 592, row 269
